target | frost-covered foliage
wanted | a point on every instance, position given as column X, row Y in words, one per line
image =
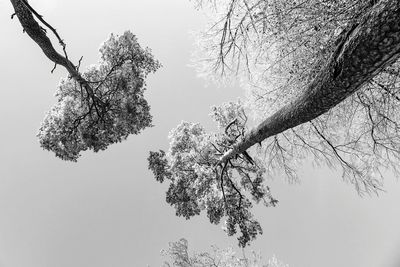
column 198, row 183
column 112, row 108
column 179, row 256
column 275, row 48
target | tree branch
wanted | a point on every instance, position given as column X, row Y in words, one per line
column 35, row 31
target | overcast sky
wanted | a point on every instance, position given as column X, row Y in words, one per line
column 107, row 209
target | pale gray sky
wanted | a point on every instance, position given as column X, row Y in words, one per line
column 107, row 209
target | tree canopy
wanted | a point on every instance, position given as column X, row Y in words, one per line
column 101, row 106
column 75, row 124
column 322, row 75
column 197, row 183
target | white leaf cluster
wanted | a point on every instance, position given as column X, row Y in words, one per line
column 80, row 121
column 179, row 256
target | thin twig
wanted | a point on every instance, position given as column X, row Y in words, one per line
column 55, row 65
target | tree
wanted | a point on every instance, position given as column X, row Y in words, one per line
column 345, row 108
column 101, row 106
column 198, row 182
column 368, row 46
column 179, row 257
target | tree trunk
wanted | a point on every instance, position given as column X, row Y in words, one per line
column 363, row 51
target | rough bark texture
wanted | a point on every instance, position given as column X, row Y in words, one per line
column 38, row 34
column 362, row 52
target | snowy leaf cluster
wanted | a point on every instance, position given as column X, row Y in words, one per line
column 273, row 48
column 180, row 256
column 197, row 181
column 104, row 109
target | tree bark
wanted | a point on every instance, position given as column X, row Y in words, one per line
column 38, row 34
column 367, row 47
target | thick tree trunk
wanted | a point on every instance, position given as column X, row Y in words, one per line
column 364, row 50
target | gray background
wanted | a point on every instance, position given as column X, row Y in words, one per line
column 107, row 210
